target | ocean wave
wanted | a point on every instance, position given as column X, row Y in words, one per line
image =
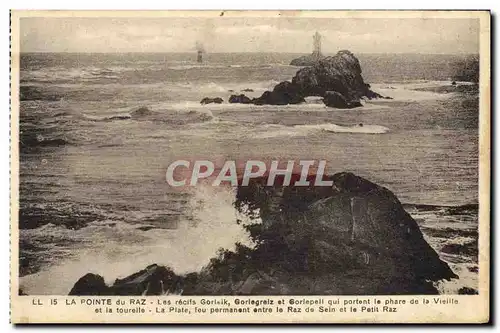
column 105, row 247
column 277, row 130
column 54, row 74
column 411, row 91
column 171, row 115
column 105, row 118
column 360, row 128
column 188, row 66
column 195, row 66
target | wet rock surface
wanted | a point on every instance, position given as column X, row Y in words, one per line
column 351, row 238
column 337, row 79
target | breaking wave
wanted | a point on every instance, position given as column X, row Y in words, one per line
column 360, row 128
column 276, row 130
column 188, row 247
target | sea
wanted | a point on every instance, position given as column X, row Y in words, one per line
column 93, row 195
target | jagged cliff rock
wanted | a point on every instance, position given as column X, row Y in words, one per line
column 340, row 73
column 338, row 79
column 351, row 238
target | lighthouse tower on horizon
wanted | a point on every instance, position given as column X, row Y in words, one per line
column 317, row 46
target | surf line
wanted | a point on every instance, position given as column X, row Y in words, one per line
column 301, row 173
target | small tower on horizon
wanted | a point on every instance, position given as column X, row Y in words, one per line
column 317, row 46
column 199, row 50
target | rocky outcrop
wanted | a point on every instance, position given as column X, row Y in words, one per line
column 153, row 280
column 340, row 73
column 283, row 93
column 240, row 99
column 466, row 69
column 350, row 238
column 207, row 100
column 306, row 60
column 337, row 79
column 90, row 284
column 337, row 100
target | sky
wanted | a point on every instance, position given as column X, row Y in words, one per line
column 227, row 34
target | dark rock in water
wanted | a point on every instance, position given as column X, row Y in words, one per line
column 337, row 100
column 146, row 228
column 207, row 100
column 154, row 280
column 283, row 93
column 340, row 73
column 240, row 99
column 124, row 117
column 231, row 90
column 247, row 90
column 90, row 285
column 473, row 269
column 467, row 291
column 352, row 238
column 466, row 69
column 141, row 112
column 306, row 60
column 453, row 83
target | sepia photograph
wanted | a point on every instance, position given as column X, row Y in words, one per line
column 292, row 153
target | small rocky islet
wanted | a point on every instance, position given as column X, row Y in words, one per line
column 336, row 78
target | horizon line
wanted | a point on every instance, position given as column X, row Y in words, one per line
column 232, row 52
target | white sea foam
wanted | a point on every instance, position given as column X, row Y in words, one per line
column 409, row 91
column 120, row 250
column 276, row 130
column 333, row 128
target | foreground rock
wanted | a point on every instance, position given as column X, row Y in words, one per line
column 207, row 100
column 153, row 280
column 353, row 238
column 90, row 284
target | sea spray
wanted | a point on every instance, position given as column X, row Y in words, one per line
column 117, row 251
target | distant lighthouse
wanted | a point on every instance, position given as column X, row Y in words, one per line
column 317, row 46
column 199, row 50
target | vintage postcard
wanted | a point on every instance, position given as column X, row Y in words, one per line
column 250, row 167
